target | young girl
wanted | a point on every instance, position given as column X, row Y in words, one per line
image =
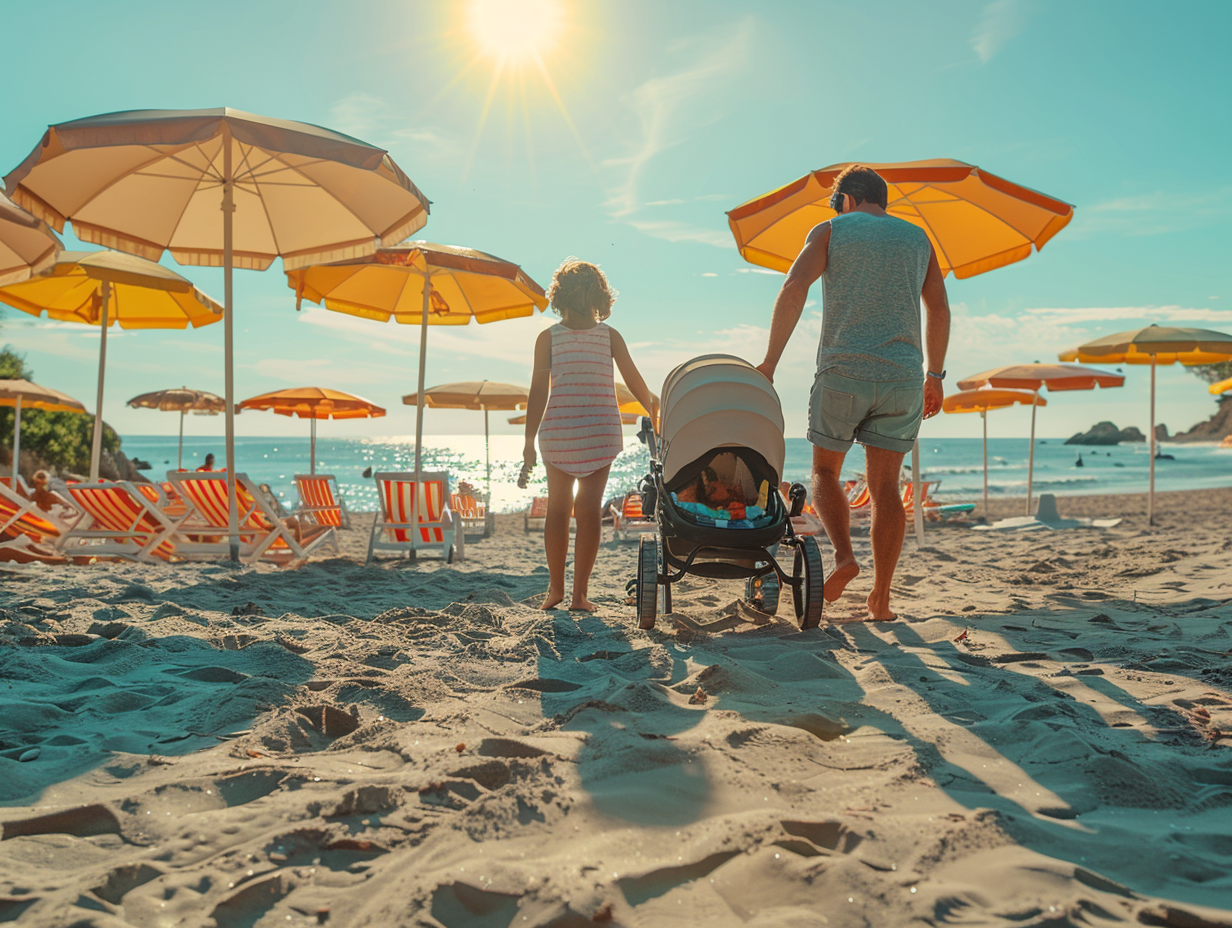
column 572, row 407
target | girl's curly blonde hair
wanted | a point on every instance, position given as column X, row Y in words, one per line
column 579, row 287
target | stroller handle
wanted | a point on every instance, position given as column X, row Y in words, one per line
column 646, row 434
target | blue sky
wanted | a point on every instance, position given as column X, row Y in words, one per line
column 668, row 115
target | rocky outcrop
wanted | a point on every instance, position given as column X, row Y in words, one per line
column 1214, row 428
column 110, row 466
column 1105, row 433
column 1161, row 432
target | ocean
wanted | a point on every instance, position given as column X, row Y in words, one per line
column 953, row 461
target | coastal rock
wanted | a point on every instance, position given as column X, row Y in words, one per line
column 1105, row 433
column 1214, row 428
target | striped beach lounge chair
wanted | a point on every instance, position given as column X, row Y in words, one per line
column 118, row 519
column 473, row 513
column 320, row 500
column 202, row 531
column 439, row 529
column 20, row 516
column 535, row 515
column 628, row 520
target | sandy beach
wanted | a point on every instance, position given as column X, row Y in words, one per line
column 1043, row 739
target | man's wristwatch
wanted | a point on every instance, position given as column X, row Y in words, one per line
column 937, row 376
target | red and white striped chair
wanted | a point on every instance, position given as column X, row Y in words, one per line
column 439, row 529
column 474, row 515
column 628, row 520
column 202, row 531
column 321, row 501
column 20, row 516
column 118, row 519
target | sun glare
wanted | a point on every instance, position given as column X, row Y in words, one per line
column 516, row 31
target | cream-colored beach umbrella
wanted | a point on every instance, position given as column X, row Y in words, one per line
column 314, row 403
column 21, row 394
column 27, row 245
column 1034, row 377
column 982, row 401
column 1155, row 345
column 181, row 400
column 421, row 283
column 218, row 187
column 474, row 394
column 106, row 288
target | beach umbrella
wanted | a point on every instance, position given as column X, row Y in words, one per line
column 218, row 187
column 1223, row 386
column 27, row 245
column 421, row 283
column 977, row 221
column 1034, row 377
column 982, row 401
column 314, row 403
column 181, row 400
column 21, row 394
column 1155, row 345
column 481, row 394
column 106, row 288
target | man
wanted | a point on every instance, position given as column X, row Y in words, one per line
column 871, row 384
column 208, row 465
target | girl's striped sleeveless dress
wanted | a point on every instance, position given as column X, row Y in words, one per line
column 580, row 433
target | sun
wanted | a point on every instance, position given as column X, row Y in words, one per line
column 515, row 31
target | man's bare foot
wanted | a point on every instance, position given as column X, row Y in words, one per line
column 552, row 599
column 842, row 575
column 879, row 609
column 582, row 604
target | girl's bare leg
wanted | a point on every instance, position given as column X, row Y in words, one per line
column 588, row 510
column 556, row 532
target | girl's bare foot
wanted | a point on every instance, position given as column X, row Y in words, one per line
column 843, row 574
column 879, row 608
column 582, row 604
column 552, row 599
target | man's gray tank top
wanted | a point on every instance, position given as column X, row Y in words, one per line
column 870, row 328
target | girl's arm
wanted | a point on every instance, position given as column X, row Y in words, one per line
column 540, row 385
column 633, row 379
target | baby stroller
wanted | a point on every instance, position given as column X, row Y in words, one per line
column 721, row 416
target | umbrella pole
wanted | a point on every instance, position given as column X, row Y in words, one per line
column 487, row 454
column 16, row 443
column 1031, row 455
column 984, row 416
column 228, row 259
column 917, row 511
column 96, row 446
column 312, row 448
column 419, row 404
column 1150, row 496
column 179, row 459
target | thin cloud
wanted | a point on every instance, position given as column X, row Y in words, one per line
column 1080, row 315
column 1156, row 213
column 375, row 121
column 1000, row 21
column 673, row 231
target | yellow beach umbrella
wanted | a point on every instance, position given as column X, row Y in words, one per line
column 218, row 187
column 313, row 403
column 106, row 288
column 982, row 401
column 1034, row 377
column 27, row 245
column 1223, row 386
column 421, row 283
column 181, row 400
column 1155, row 345
column 976, row 220
column 21, row 394
column 474, row 394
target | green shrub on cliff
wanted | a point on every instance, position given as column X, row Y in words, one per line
column 59, row 439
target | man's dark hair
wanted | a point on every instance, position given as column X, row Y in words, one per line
column 862, row 184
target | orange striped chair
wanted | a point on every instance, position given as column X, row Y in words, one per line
column 202, row 531
column 474, row 515
column 628, row 520
column 118, row 519
column 439, row 528
column 535, row 515
column 21, row 517
column 321, row 501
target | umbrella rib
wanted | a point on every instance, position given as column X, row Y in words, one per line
column 329, row 193
column 944, row 253
column 269, row 220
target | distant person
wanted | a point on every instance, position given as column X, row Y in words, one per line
column 208, row 465
column 572, row 408
column 872, row 384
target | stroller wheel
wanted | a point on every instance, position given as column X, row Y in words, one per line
column 809, row 597
column 647, row 580
column 763, row 593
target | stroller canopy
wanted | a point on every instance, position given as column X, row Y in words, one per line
column 719, row 401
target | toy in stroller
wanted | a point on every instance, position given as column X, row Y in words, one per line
column 715, row 467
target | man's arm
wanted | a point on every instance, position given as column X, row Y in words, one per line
column 936, row 333
column 809, row 265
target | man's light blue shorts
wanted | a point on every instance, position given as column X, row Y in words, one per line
column 881, row 414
